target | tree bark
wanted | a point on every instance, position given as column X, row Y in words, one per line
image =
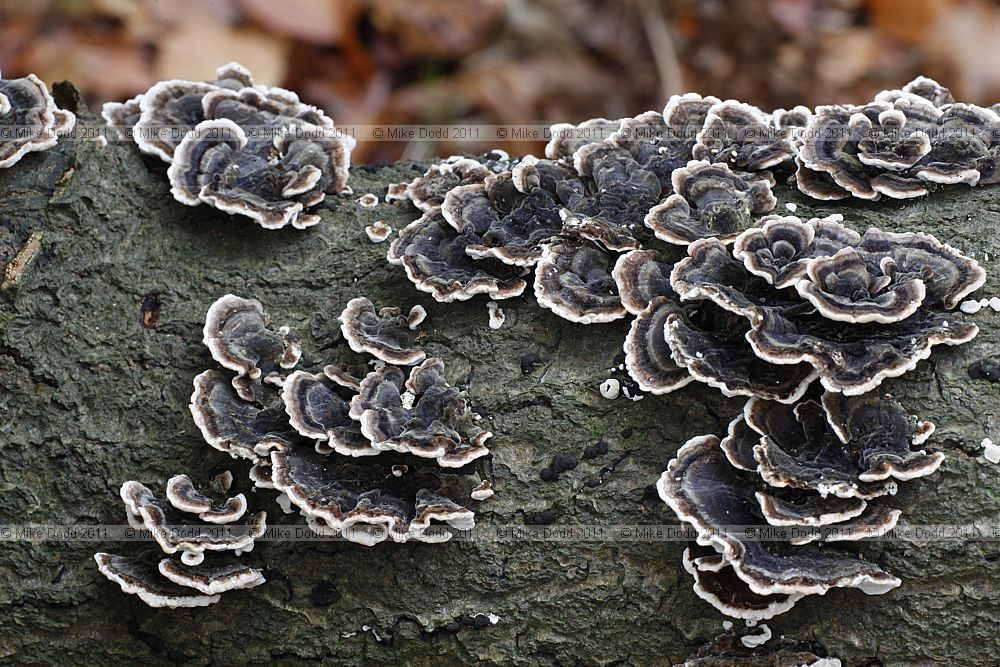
column 100, row 338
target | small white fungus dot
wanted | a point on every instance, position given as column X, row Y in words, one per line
column 610, row 388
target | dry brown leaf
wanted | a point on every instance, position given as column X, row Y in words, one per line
column 178, row 58
column 314, row 21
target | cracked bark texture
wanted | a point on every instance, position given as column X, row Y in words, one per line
column 100, row 338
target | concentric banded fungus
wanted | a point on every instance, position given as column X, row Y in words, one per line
column 889, row 144
column 434, row 256
column 317, row 411
column 809, row 509
column 30, row 119
column 567, row 138
column 661, row 143
column 742, row 136
column 856, row 359
column 514, row 213
column 882, row 432
column 648, row 357
column 712, row 347
column 215, row 164
column 210, row 505
column 427, row 192
column 421, row 415
column 717, row 583
column 236, row 333
column 709, row 201
column 385, row 334
column 780, row 249
column 855, row 287
column 966, row 147
column 641, row 276
column 615, row 194
column 164, row 109
column 138, row 577
column 241, row 428
column 849, row 357
column 896, row 144
column 211, row 578
column 831, row 146
column 704, row 490
column 574, row 281
column 366, row 504
column 202, row 128
column 847, row 447
column 176, row 532
column 948, row 275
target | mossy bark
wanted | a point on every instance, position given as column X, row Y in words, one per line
column 100, row 337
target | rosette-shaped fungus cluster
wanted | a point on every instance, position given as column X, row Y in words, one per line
column 561, row 222
column 29, row 119
column 202, row 531
column 788, row 481
column 364, row 458
column 788, row 303
column 240, row 147
column 899, row 145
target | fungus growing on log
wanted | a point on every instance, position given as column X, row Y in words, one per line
column 29, row 119
column 175, row 531
column 210, row 504
column 385, row 334
column 241, row 426
column 717, row 583
column 704, row 490
column 189, row 524
column 512, row 213
column 434, row 256
column 365, row 504
column 138, row 577
column 574, row 281
column 709, row 201
column 427, row 192
column 898, row 145
column 243, row 148
column 813, row 470
column 237, row 334
column 317, row 411
column 741, row 136
column 851, row 356
column 420, row 414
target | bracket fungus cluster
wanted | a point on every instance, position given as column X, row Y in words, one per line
column 788, row 303
column 770, row 500
column 332, row 444
column 241, row 147
column 202, row 531
column 29, row 119
column 900, row 145
column 561, row 222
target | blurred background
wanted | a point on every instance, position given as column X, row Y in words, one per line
column 515, row 61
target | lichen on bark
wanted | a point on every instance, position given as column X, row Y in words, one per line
column 100, row 338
